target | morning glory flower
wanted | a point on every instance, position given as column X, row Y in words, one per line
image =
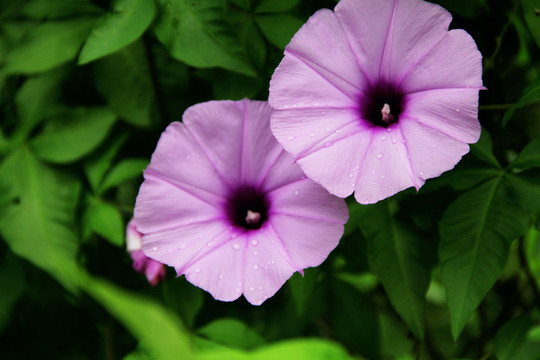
column 227, row 207
column 153, row 270
column 377, row 96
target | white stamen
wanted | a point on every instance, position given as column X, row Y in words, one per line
column 253, row 217
column 387, row 117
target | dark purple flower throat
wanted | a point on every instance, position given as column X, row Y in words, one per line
column 247, row 208
column 382, row 105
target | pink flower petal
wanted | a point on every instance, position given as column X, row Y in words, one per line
column 386, row 169
column 307, row 240
column 315, row 64
column 452, row 111
column 432, row 152
column 454, row 62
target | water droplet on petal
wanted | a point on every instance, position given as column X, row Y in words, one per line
column 237, row 290
column 254, row 242
column 421, row 173
column 344, row 111
column 312, row 134
column 296, row 192
column 255, row 253
column 251, row 288
column 255, row 267
column 394, row 141
column 433, row 145
column 272, row 262
column 291, row 138
column 154, row 248
column 260, row 287
column 338, row 131
column 197, row 270
column 188, row 157
column 351, row 175
column 220, row 277
column 408, row 156
column 323, row 113
column 382, row 176
column 383, row 138
column 457, row 110
column 380, row 156
column 182, row 246
column 209, row 244
column 236, row 246
column 327, row 129
column 388, row 129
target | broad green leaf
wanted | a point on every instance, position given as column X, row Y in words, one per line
column 196, row 33
column 511, row 341
column 274, row 6
column 398, row 257
column 105, row 220
column 185, row 299
column 476, row 231
column 232, row 333
column 532, row 253
column 37, row 208
column 466, row 178
column 527, row 186
column 483, row 150
column 127, row 21
column 48, row 45
column 530, row 95
column 234, row 86
column 125, row 170
column 35, row 97
column 279, row 28
column 354, row 319
column 531, row 11
column 123, row 78
column 73, row 134
column 298, row 349
column 52, row 9
column 302, row 288
column 468, row 9
column 159, row 331
column 529, row 156
column 100, row 161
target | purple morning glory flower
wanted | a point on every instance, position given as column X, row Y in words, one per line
column 153, row 270
column 377, row 96
column 226, row 206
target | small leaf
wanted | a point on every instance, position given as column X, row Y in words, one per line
column 73, row 135
column 99, row 162
column 531, row 11
column 128, row 20
column 48, row 45
column 274, row 6
column 527, row 186
column 476, row 232
column 105, row 220
column 37, row 207
column 159, row 331
column 279, row 28
column 232, row 333
column 35, row 97
column 529, row 156
column 125, row 170
column 52, row 9
column 483, row 150
column 511, row 341
column 530, row 95
column 185, row 299
column 123, row 79
column 196, row 33
column 398, row 258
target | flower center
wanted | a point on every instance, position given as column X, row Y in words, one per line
column 382, row 105
column 247, row 208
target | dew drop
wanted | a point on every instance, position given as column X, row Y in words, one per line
column 433, row 145
column 260, row 287
column 373, row 172
column 388, row 129
column 255, row 253
column 182, row 246
column 338, row 131
column 154, row 248
column 236, row 246
column 457, row 110
column 421, row 173
column 188, row 157
column 255, row 267
column 403, row 141
column 254, row 242
column 327, row 129
column 220, row 277
column 357, row 167
column 323, row 113
column 382, row 176
column 197, row 270
column 380, row 156
column 351, row 175
column 290, row 138
column 383, row 138
column 209, row 244
column 408, row 156
column 237, row 290
column 272, row 262
column 312, row 134
column 251, row 288
column 327, row 144
column 394, row 141
column 239, row 284
column 344, row 111
column 296, row 192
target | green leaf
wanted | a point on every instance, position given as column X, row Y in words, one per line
column 511, row 341
column 302, row 288
column 12, row 283
column 105, row 220
column 527, row 186
column 125, row 170
column 99, row 162
column 476, row 231
column 274, row 6
column 184, row 298
column 354, row 320
column 529, row 156
column 232, row 333
column 483, row 150
column 531, row 11
column 48, row 45
column 128, row 20
column 234, row 86
column 279, row 28
column 37, row 207
column 123, row 78
column 35, row 97
column 52, row 9
column 530, row 95
column 196, row 33
column 73, row 134
column 398, row 257
column 159, row 331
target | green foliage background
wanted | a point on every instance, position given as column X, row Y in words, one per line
column 86, row 88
